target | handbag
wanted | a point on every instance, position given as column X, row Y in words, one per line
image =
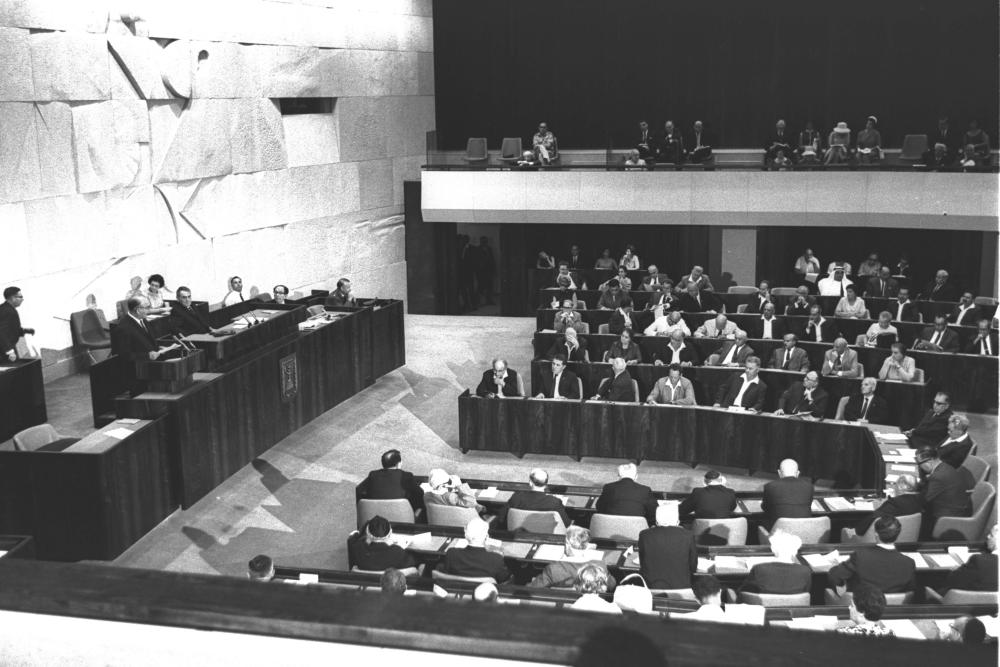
column 634, row 598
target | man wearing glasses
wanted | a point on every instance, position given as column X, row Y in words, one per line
column 933, row 428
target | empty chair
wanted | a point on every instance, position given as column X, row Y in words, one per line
column 783, row 291
column 841, row 404
column 775, row 600
column 449, row 515
column 959, row 596
column 830, row 597
column 972, row 528
column 733, row 531
column 582, row 328
column 985, row 301
column 397, row 510
column 535, row 522
column 444, row 577
column 909, row 531
column 316, row 311
column 603, row 329
column 914, row 147
column 742, row 308
column 918, row 375
column 977, row 469
column 36, row 437
column 615, row 527
column 90, row 330
column 742, row 289
column 510, row 149
column 811, row 530
column 475, row 151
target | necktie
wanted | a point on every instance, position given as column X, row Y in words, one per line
column 881, row 287
column 986, row 346
column 841, row 288
column 673, row 392
column 788, row 359
column 864, row 408
column 838, row 364
column 555, row 382
column 698, row 299
column 936, row 340
column 241, row 295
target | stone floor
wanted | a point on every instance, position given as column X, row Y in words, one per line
column 296, row 501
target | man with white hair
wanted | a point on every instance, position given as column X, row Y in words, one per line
column 958, row 444
column 940, row 289
column 653, row 279
column 667, row 324
column 626, row 497
column 474, row 560
column 499, row 382
column 720, row 327
column 841, row 361
column 788, row 496
column 905, row 500
column 786, row 576
column 667, row 553
column 732, row 352
column 534, row 499
column 804, row 399
column 563, row 573
column 618, row 386
column 866, row 407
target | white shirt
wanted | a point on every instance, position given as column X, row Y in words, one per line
column 832, row 287
column 676, row 353
column 963, row 437
column 555, row 382
column 768, row 323
column 899, row 310
column 963, row 310
column 662, row 327
column 874, row 331
column 232, row 298
column 738, row 401
column 731, row 355
column 817, row 328
column 984, row 346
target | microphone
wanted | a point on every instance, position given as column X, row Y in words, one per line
column 249, row 323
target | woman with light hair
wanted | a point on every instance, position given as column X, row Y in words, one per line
column 563, row 573
column 591, row 581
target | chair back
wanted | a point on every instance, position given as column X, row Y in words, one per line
column 450, row 515
column 918, row 374
column 970, row 528
column 733, row 531
column 914, row 147
column 397, row 510
column 775, row 600
column 316, row 310
column 783, row 291
column 35, row 437
column 742, row 289
column 582, row 328
column 812, row 530
column 444, row 577
column 532, row 521
column 977, row 468
column 741, row 308
column 909, row 527
column 520, row 385
column 121, row 308
column 635, row 390
column 88, row 330
column 510, row 148
column 603, row 328
column 959, row 596
column 860, row 340
column 579, row 386
column 841, row 404
column 984, row 301
column 475, row 150
column 613, row 527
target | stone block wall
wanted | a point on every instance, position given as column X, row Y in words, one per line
column 144, row 137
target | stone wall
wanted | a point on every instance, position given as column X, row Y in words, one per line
column 147, row 137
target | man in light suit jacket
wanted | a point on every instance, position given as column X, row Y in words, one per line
column 675, row 389
column 804, row 398
column 791, row 357
column 841, row 361
column 746, row 390
column 937, row 338
column 788, row 496
column 560, row 378
column 626, row 497
column 732, row 352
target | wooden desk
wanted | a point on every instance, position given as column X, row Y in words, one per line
column 256, row 328
column 694, row 435
column 22, row 396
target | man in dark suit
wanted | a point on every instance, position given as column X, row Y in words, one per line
column 391, row 482
column 966, row 312
column 644, row 141
column 732, row 352
column 945, row 490
column 10, row 323
column 779, row 142
column 373, row 549
column 534, row 499
column 958, row 444
column 188, row 320
column 904, row 310
column 474, row 560
column 694, row 300
column 866, row 407
column 745, row 390
column 671, row 146
column 785, row 577
column 938, row 338
column 979, row 573
column 788, row 496
column 943, row 134
column 817, row 328
column 677, row 352
column 712, row 501
column 883, row 285
column 804, row 399
column 934, row 425
column 985, row 341
column 879, row 566
column 699, row 144
column 905, row 500
column 768, row 326
column 762, row 297
column 791, row 357
column 500, row 382
column 560, row 383
column 667, row 552
column 802, row 303
column 626, row 497
column 618, row 386
column 132, row 342
column 940, row 289
column 576, row 262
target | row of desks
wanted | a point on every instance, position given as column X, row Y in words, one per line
column 843, row 452
column 22, row 396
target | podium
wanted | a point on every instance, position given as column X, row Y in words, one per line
column 171, row 375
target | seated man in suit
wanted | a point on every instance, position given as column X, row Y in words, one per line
column 898, row 366
column 677, row 352
column 132, row 342
column 561, row 382
column 940, row 289
column 788, row 496
column 617, row 386
column 979, row 573
column 937, row 338
column 745, row 390
column 866, row 407
column 534, row 499
column 626, row 497
column 663, row 299
column 818, row 329
column 698, row 277
column 732, row 352
column 653, row 279
column 791, row 357
column 448, row 489
column 568, row 280
column 563, row 573
column 720, row 327
column 699, row 144
column 760, row 299
column 985, row 341
column 391, row 482
column 342, row 295
column 804, row 399
column 614, row 297
column 933, row 427
column 674, row 389
column 374, row 550
column 879, row 566
column 188, row 320
column 665, row 325
column 786, row 577
column 882, row 285
column 712, row 501
column 958, row 444
column 475, row 560
column 966, row 312
column 841, row 361
column 904, row 310
column 945, row 490
column 500, row 382
column 693, row 300
column 768, row 326
column 905, row 500
column 667, row 553
column 570, row 346
column 566, row 316
column 802, row 303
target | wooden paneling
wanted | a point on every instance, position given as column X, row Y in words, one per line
column 22, row 397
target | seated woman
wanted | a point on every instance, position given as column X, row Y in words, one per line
column 626, row 348
column 606, row 262
column 870, row 142
column 623, row 281
column 898, row 366
column 545, row 261
column 867, row 606
column 157, row 306
column 569, row 345
column 839, row 142
column 850, row 305
column 563, row 573
column 592, row 580
column 633, row 161
column 979, row 140
column 630, row 260
column 883, row 327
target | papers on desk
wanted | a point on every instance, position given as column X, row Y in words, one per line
column 268, row 312
column 824, row 623
column 900, row 458
column 891, row 478
column 704, row 565
column 735, row 408
column 550, row 552
column 838, row 504
column 864, row 505
column 901, row 469
column 425, row 487
column 890, row 437
column 576, row 501
column 309, row 325
column 458, row 543
column 961, row 553
column 118, row 433
column 992, row 624
column 823, row 562
column 946, row 561
column 751, row 561
column 753, row 505
column 308, row 578
column 516, row 549
column 903, row 628
column 487, row 493
column 128, row 422
column 918, row 559
column 817, row 506
column 745, row 614
column 730, row 565
column 239, row 325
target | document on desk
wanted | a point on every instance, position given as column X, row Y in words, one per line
column 946, row 561
column 118, row 433
column 753, row 505
column 903, row 628
column 516, row 549
column 488, row 493
column 838, row 504
column 549, row 552
column 730, row 564
column 704, row 565
column 823, row 562
column 817, row 505
column 825, row 623
column 918, row 559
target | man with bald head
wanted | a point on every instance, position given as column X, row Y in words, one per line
column 677, row 352
column 788, row 496
column 940, row 289
column 937, row 338
column 534, row 499
column 475, row 560
column 618, row 386
column 732, row 352
column 804, row 399
column 131, row 342
column 818, row 329
column 720, row 327
column 665, row 325
column 841, row 361
column 499, row 382
column 768, row 326
column 695, row 300
column 866, row 407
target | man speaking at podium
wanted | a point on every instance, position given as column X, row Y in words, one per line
column 132, row 341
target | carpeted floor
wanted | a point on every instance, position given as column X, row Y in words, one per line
column 296, row 502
